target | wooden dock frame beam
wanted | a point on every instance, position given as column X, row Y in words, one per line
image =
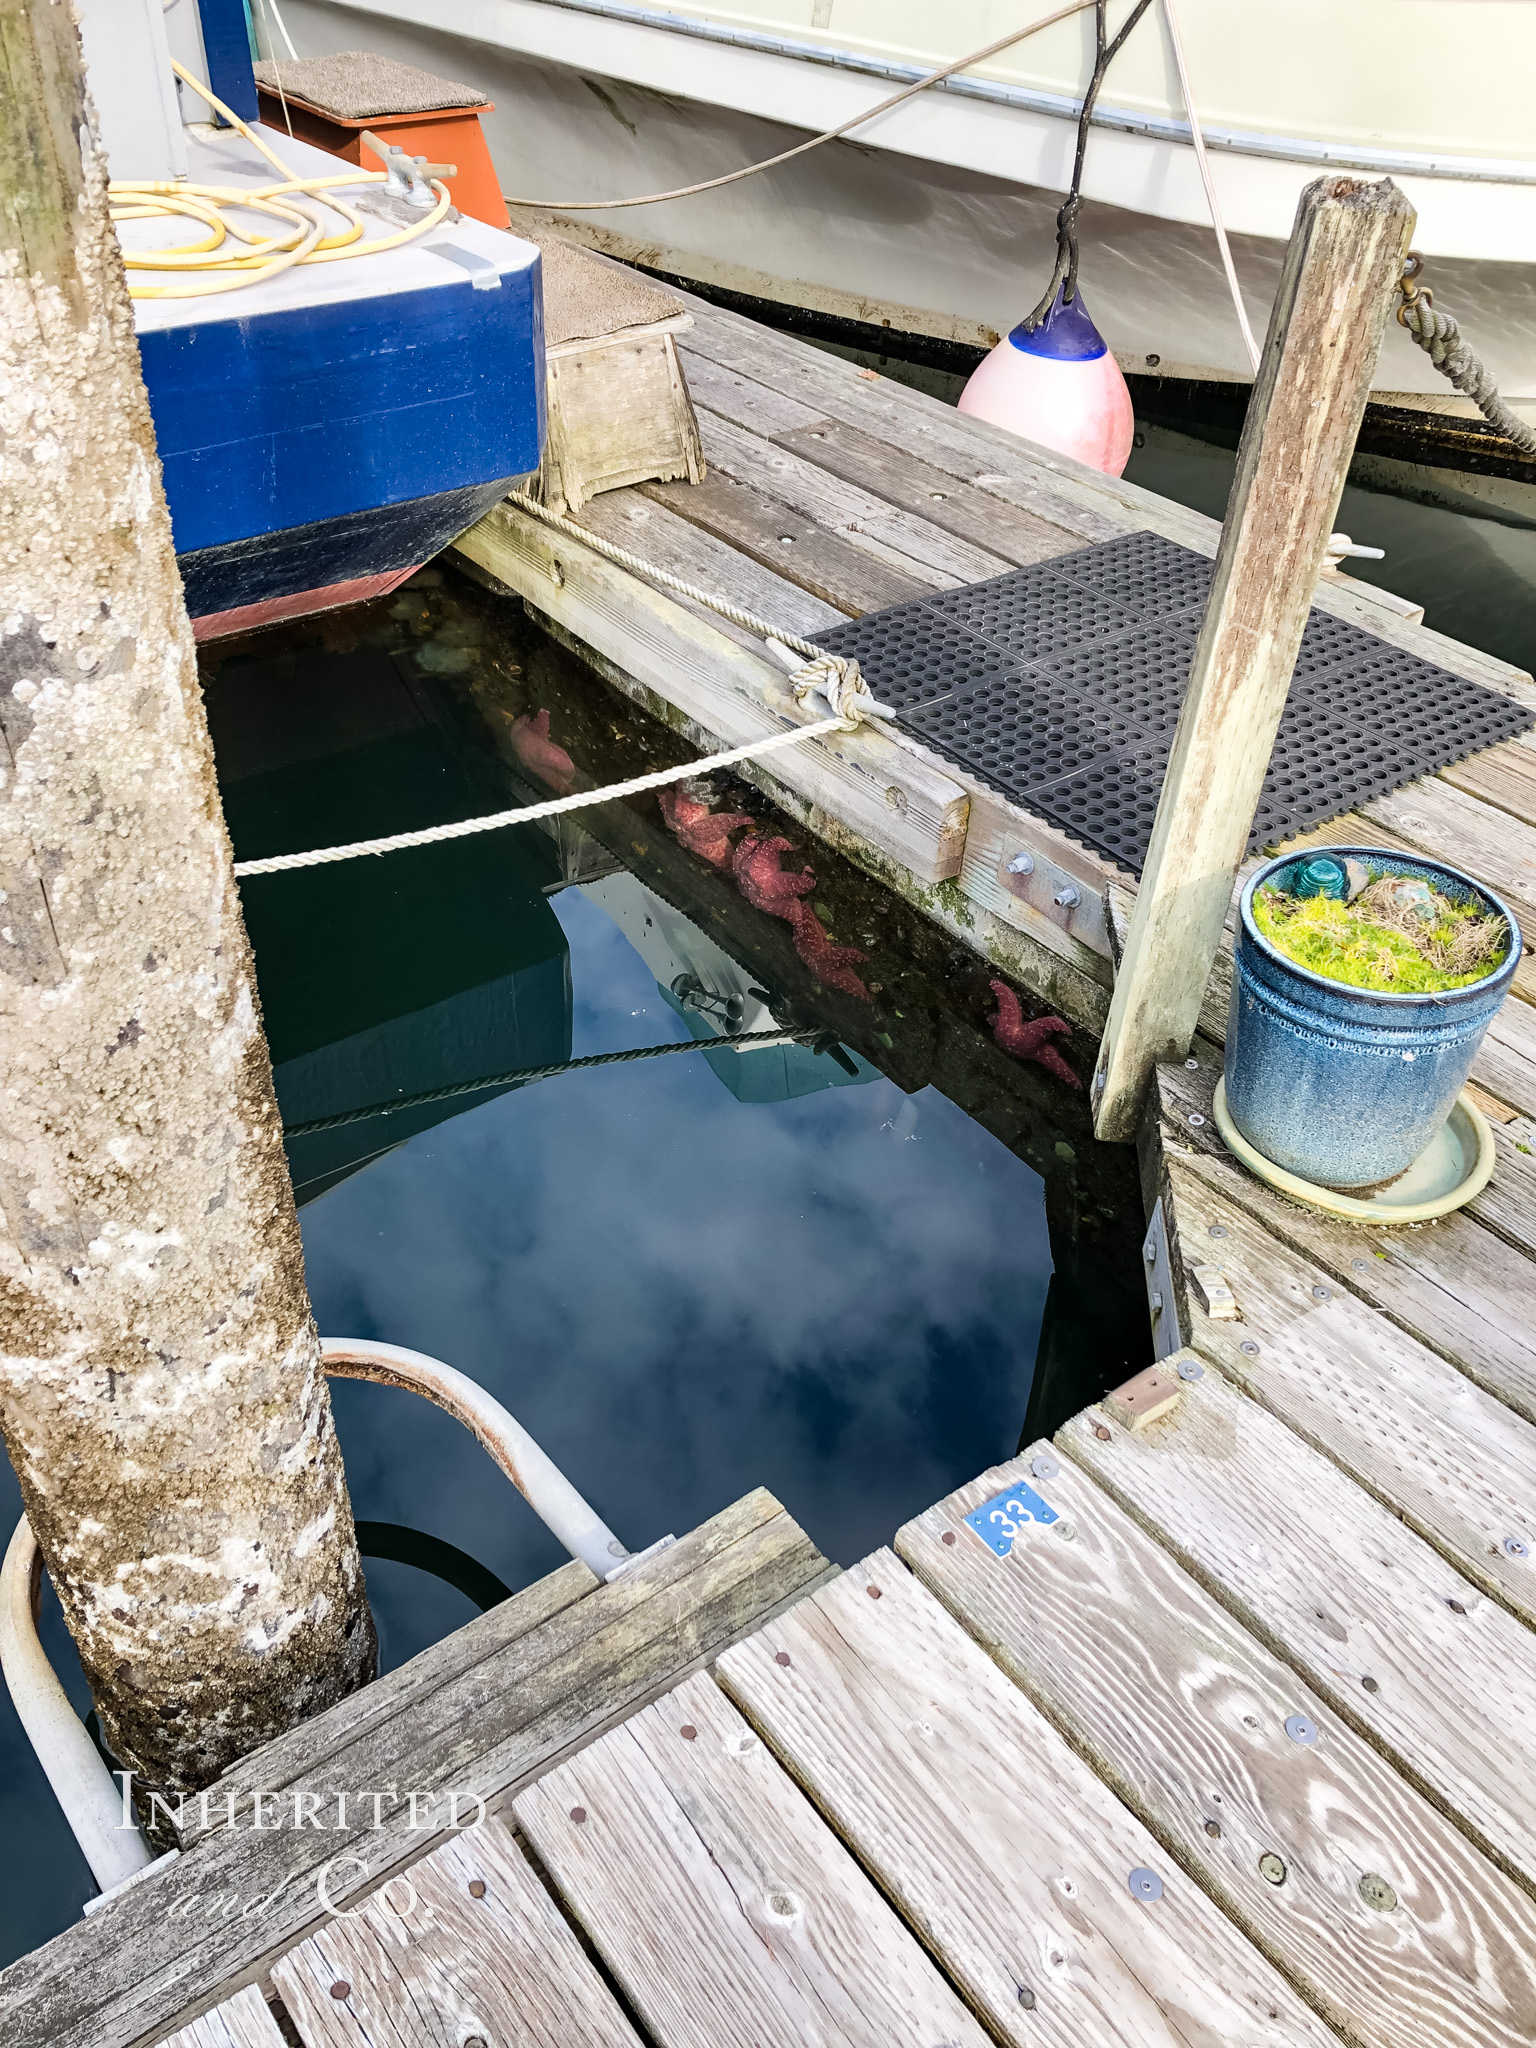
column 1344, row 260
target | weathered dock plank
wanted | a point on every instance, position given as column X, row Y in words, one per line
column 1187, row 1717
column 1455, row 1463
column 1000, row 1846
column 1506, row 1059
column 408, row 1690
column 241, row 2022
column 1437, row 1677
column 728, row 1912
column 917, row 425
column 654, row 529
column 472, row 1946
column 765, row 529
column 904, row 539
column 932, row 494
column 1454, row 1285
column 1504, row 776
column 174, row 1943
column 1508, row 1203
column 761, row 407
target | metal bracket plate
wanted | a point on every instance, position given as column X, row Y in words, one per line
column 1167, row 1337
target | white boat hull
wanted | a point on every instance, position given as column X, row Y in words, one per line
column 917, row 224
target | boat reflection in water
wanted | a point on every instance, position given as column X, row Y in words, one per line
column 381, row 978
column 718, row 998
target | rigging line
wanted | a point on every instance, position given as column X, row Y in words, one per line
column 1064, row 270
column 1209, row 182
column 510, row 1080
column 830, row 135
column 433, row 835
column 277, row 67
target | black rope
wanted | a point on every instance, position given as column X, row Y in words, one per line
column 1066, row 220
column 510, row 1080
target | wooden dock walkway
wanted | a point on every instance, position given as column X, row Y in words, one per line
column 1210, row 1724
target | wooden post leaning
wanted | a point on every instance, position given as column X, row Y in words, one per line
column 1345, row 257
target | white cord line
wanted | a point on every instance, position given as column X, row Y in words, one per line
column 1210, row 188
column 397, row 841
column 829, row 135
column 277, row 17
column 277, row 66
column 832, row 675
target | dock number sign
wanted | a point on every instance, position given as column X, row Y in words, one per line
column 998, row 1521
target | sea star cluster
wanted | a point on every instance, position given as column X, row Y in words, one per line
column 1031, row 1040
column 753, row 863
column 703, row 831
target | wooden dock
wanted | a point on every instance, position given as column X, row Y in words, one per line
column 1233, row 1744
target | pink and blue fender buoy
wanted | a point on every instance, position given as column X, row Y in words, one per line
column 1058, row 386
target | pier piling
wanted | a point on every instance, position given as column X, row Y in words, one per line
column 1345, row 257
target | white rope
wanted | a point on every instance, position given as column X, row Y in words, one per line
column 433, row 834
column 944, row 71
column 1210, row 187
column 831, row 676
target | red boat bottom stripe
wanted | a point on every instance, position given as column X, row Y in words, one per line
column 246, row 617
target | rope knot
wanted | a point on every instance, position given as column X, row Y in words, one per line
column 838, row 679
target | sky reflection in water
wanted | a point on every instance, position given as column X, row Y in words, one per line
column 681, row 1295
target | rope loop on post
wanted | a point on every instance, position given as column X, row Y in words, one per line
column 1441, row 339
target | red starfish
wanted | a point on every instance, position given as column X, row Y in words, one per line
column 763, row 882
column 538, row 753
column 831, row 965
column 767, row 887
column 1030, row 1041
column 701, row 830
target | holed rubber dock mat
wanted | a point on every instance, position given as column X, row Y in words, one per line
column 1060, row 686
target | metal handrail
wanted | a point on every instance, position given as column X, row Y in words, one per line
column 535, row 1475
column 71, row 1762
column 84, row 1787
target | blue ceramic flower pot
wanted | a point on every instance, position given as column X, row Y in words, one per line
column 1341, row 1085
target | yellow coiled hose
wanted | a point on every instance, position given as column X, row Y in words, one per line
column 300, row 237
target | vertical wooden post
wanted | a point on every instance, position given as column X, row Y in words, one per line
column 1345, row 256
column 162, row 1394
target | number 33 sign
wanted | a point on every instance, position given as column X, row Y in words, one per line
column 998, row 1521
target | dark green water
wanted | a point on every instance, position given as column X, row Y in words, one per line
column 853, row 1277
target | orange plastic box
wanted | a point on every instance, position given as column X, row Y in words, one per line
column 448, row 135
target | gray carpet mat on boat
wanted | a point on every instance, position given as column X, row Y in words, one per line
column 586, row 298
column 1059, row 686
column 358, row 85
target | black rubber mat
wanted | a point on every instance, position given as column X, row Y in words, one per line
column 1060, row 685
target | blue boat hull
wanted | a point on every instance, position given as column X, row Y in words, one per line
column 338, row 424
